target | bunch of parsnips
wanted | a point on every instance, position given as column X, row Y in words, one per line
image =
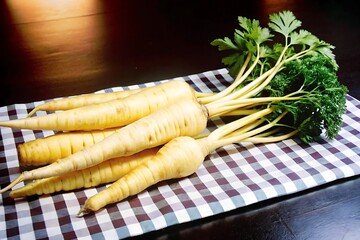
column 134, row 139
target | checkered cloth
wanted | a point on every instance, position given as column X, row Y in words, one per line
column 232, row 177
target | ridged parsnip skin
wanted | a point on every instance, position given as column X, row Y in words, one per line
column 178, row 158
column 115, row 113
column 105, row 172
column 185, row 118
column 47, row 150
column 82, row 100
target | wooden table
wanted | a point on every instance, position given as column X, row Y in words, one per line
column 59, row 48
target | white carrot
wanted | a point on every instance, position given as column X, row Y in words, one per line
column 187, row 118
column 47, row 150
column 82, row 100
column 181, row 157
column 105, row 172
column 178, row 158
column 110, row 114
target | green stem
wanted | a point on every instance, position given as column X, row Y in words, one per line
column 270, row 139
column 242, row 70
column 244, row 90
column 260, row 87
column 238, row 80
column 233, row 126
column 239, row 112
column 298, row 55
column 221, row 108
column 222, row 139
column 230, row 88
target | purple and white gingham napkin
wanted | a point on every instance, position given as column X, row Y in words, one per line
column 232, row 177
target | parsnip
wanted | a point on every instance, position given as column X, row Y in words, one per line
column 105, row 172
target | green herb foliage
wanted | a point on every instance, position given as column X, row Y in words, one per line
column 301, row 66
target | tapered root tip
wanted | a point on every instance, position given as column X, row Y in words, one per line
column 6, row 123
column 12, row 184
column 31, row 113
column 83, row 211
column 36, row 109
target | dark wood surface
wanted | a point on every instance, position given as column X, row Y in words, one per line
column 49, row 49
